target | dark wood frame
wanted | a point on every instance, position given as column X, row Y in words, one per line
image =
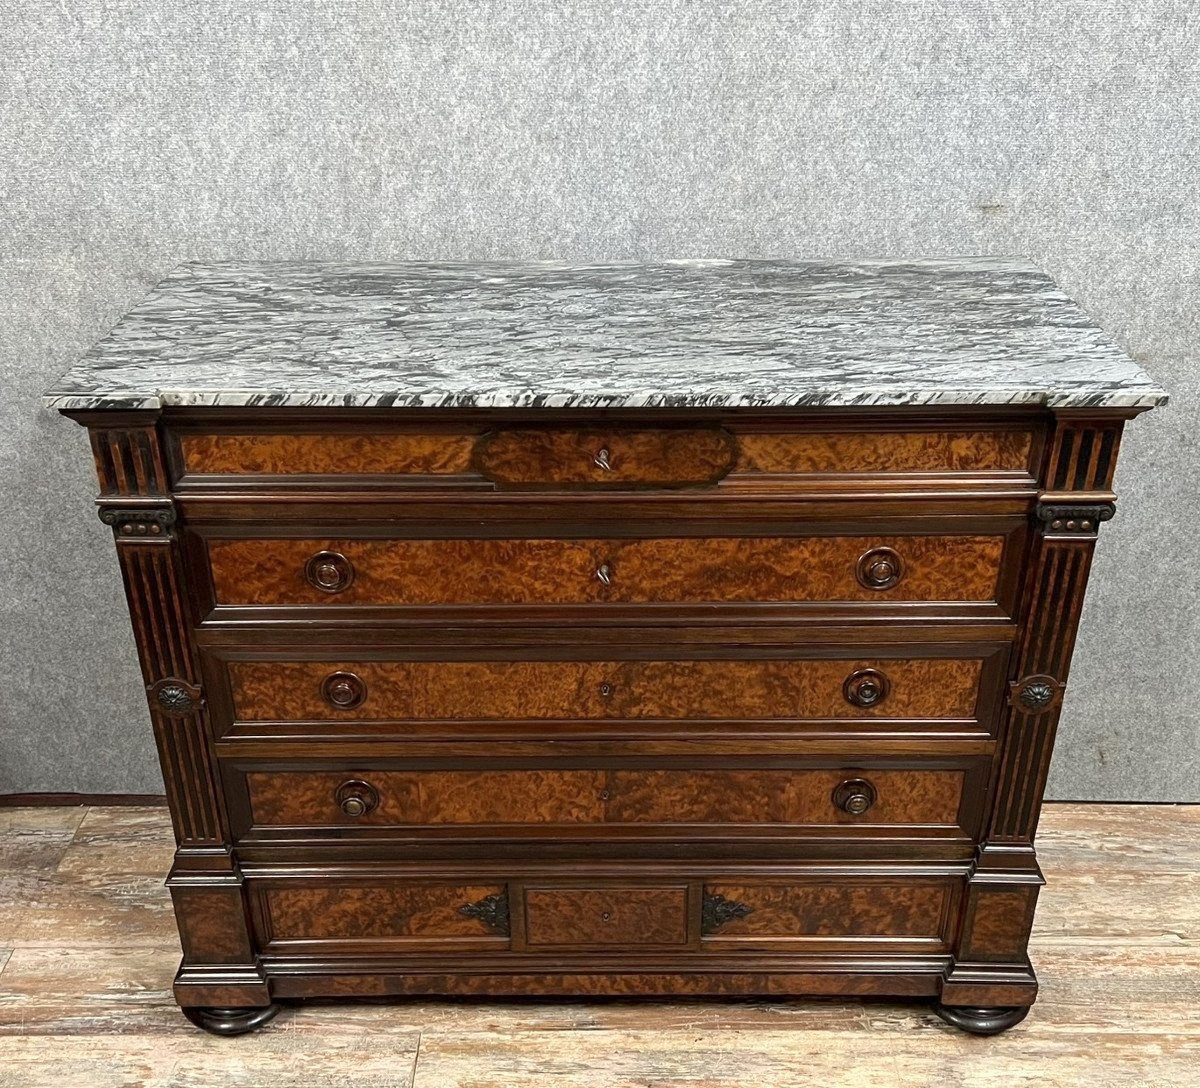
column 227, row 982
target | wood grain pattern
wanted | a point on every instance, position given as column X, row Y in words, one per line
column 212, row 924
column 897, row 914
column 393, row 912
column 1116, row 945
column 925, row 688
column 622, row 915
column 998, row 923
column 656, row 570
column 291, row 454
column 960, row 450
column 300, row 798
column 431, row 797
column 664, row 457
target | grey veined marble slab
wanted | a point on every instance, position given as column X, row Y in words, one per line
column 677, row 334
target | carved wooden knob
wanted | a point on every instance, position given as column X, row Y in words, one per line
column 866, row 687
column 854, row 796
column 880, row 568
column 344, row 690
column 356, row 798
column 330, row 572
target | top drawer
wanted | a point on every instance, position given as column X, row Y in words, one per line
column 737, row 454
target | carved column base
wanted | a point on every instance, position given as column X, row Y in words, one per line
column 220, row 1021
column 982, row 1020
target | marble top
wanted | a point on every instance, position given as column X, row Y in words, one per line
column 672, row 334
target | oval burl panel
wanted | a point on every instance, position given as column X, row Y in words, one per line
column 884, row 452
column 918, row 688
column 820, row 912
column 394, row 911
column 661, row 457
column 327, row 454
column 623, row 915
column 666, row 570
column 307, row 799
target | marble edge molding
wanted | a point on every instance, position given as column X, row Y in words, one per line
column 1142, row 398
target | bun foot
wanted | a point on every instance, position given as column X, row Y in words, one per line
column 230, row 1021
column 982, row 1021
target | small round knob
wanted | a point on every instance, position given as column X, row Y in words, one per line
column 880, row 568
column 854, row 796
column 344, row 690
column 605, row 573
column 866, row 687
column 356, row 797
column 330, row 572
column 601, row 460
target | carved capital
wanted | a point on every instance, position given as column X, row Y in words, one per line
column 491, row 910
column 132, row 522
column 716, row 910
column 174, row 697
column 1073, row 519
column 1036, row 694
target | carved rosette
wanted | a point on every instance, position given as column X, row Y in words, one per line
column 174, row 697
column 716, row 911
column 139, row 521
column 1036, row 694
column 491, row 910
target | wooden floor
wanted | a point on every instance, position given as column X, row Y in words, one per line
column 88, row 949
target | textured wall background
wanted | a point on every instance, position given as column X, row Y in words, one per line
column 135, row 135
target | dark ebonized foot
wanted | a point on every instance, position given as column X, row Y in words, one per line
column 982, row 1021
column 230, row 1021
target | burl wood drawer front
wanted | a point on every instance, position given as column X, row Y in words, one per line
column 869, row 915
column 394, row 913
column 863, row 688
column 835, row 798
column 627, row 916
column 614, row 457
column 664, row 570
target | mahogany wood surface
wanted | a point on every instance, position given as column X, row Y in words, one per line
column 470, row 702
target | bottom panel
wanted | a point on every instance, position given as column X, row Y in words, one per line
column 693, row 917
column 900, row 981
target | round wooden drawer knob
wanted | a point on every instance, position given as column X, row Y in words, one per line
column 880, row 568
column 356, row 798
column 866, row 687
column 343, row 690
column 330, row 572
column 854, row 796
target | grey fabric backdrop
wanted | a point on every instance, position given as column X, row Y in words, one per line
column 136, row 135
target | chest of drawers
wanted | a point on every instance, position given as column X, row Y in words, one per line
column 681, row 629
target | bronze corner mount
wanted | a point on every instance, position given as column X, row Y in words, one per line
column 716, row 910
column 491, row 910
